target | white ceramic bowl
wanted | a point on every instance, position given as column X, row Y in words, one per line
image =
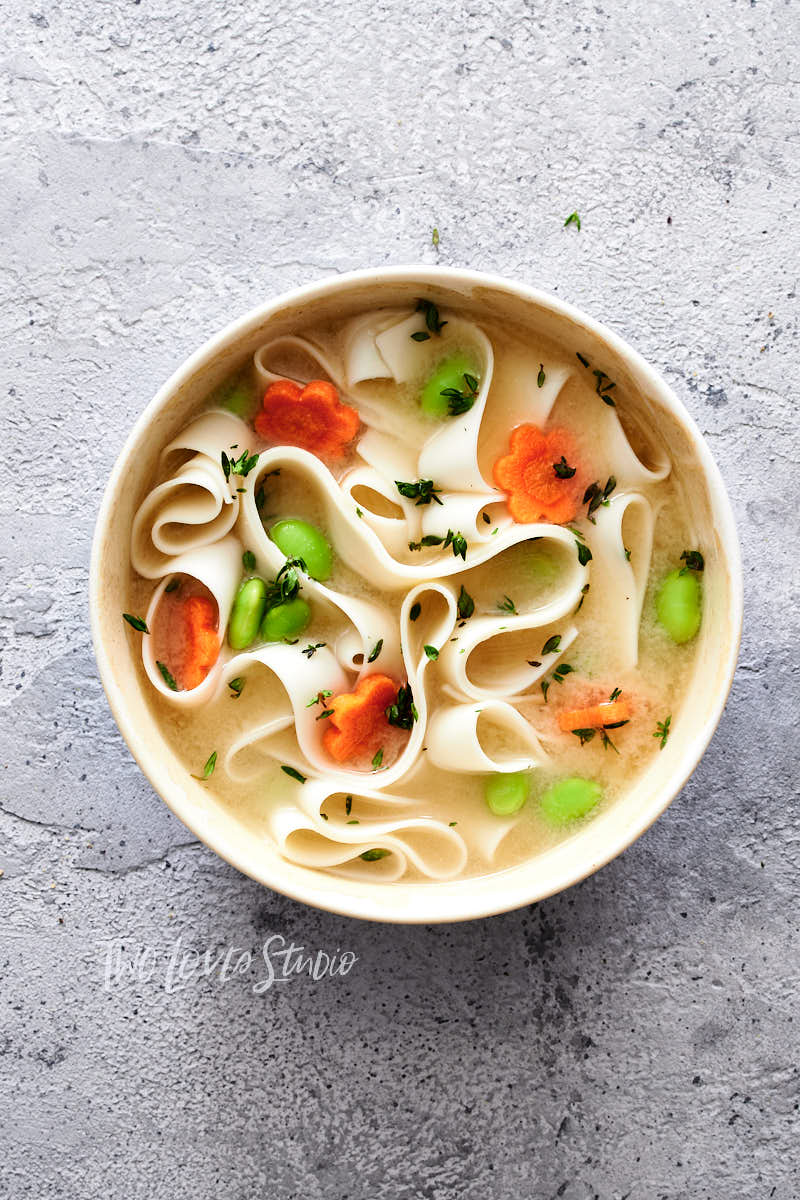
column 593, row 845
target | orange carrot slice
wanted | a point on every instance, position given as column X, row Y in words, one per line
column 200, row 647
column 358, row 724
column 311, row 417
column 535, row 491
column 597, row 716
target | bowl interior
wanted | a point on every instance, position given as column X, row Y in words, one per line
column 609, row 832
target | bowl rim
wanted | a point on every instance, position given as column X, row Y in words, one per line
column 314, row 892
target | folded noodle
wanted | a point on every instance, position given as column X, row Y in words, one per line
column 196, row 506
column 621, row 579
column 219, row 568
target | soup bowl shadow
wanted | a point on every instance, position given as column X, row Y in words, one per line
column 596, row 842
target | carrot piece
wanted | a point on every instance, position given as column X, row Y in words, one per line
column 535, row 491
column 201, row 641
column 358, row 723
column 597, row 716
column 311, row 417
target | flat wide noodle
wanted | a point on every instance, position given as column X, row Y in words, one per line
column 198, row 523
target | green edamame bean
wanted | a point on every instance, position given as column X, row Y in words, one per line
column 449, row 374
column 285, row 620
column 678, row 605
column 239, row 400
column 248, row 609
column 506, row 794
column 299, row 539
column 570, row 799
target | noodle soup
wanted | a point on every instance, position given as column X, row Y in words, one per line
column 416, row 598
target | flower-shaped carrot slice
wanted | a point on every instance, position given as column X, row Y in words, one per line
column 311, row 417
column 200, row 647
column 597, row 716
column 358, row 724
column 536, row 490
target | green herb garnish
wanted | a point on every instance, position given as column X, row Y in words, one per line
column 456, row 540
column 694, row 561
column 348, row 805
column 373, row 855
column 327, row 712
column 423, row 491
column 561, row 670
column 237, row 686
column 563, row 470
column 290, row 771
column 414, row 611
column 431, row 316
column 167, row 677
column 377, row 758
column 540, row 378
column 584, row 553
column 458, row 401
column 604, row 386
column 507, row 605
column 242, row 465
column 662, row 731
column 208, row 769
column 584, row 590
column 249, row 560
column 465, row 603
column 431, row 652
column 173, row 584
column 435, row 237
column 138, row 624
column 552, row 644
column 318, row 699
column 573, row 219
column 594, row 496
column 403, row 713
column 376, row 649
column 312, row 648
column 585, row 735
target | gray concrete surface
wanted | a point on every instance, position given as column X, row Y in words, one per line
column 165, row 167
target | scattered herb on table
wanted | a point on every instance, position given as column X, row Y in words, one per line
column 573, row 219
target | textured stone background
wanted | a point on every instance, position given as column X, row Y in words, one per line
column 166, row 166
